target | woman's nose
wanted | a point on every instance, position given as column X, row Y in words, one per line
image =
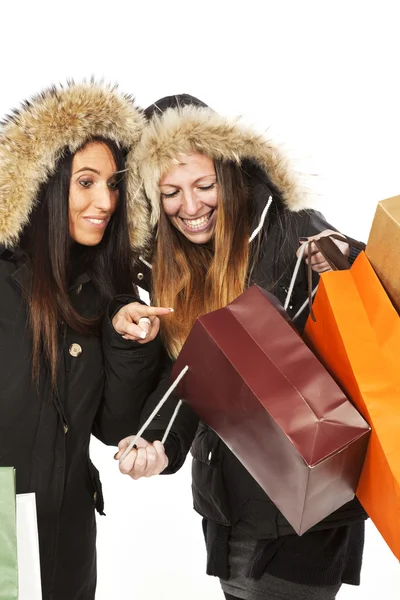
column 191, row 203
column 104, row 198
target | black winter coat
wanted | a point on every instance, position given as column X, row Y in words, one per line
column 224, row 493
column 102, row 385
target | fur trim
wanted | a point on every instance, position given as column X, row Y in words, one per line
column 191, row 128
column 33, row 138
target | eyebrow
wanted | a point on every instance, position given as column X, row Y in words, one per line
column 194, row 182
column 87, row 169
column 98, row 172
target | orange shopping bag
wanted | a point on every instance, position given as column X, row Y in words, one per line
column 357, row 336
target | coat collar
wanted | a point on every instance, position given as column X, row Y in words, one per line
column 6, row 252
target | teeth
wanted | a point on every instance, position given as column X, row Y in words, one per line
column 96, row 221
column 197, row 223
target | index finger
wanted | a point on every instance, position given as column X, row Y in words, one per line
column 310, row 249
column 125, row 442
column 137, row 311
column 127, row 465
column 156, row 311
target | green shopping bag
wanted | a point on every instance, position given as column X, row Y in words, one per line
column 8, row 536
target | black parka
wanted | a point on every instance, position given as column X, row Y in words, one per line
column 102, row 384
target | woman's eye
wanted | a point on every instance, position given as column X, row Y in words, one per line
column 171, row 194
column 85, row 183
column 113, row 185
column 206, row 188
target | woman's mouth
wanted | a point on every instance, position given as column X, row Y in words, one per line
column 96, row 222
column 199, row 224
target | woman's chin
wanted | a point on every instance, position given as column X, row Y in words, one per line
column 87, row 240
column 202, row 237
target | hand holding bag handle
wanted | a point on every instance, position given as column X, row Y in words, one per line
column 333, row 256
column 154, row 414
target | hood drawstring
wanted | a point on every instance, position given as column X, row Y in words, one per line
column 262, row 219
column 144, row 261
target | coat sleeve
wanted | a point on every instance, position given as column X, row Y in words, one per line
column 317, row 223
column 132, row 373
column 185, row 425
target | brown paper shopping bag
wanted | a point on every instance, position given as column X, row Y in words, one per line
column 254, row 381
column 383, row 248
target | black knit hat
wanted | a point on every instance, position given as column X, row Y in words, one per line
column 177, row 101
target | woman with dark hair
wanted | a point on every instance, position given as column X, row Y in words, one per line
column 229, row 213
column 78, row 350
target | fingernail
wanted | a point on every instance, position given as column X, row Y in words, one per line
column 116, row 455
column 303, row 239
column 171, row 309
column 143, row 335
column 124, row 337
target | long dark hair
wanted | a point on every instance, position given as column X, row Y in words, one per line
column 52, row 261
column 196, row 279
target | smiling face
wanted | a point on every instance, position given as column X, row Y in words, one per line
column 189, row 196
column 93, row 193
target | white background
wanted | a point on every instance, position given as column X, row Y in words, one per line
column 323, row 75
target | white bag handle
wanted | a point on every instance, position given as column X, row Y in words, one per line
column 293, row 281
column 154, row 413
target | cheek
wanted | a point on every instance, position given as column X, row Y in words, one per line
column 171, row 207
column 76, row 204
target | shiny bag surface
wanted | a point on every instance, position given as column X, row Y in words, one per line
column 254, row 381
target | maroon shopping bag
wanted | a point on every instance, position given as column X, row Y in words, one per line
column 254, row 381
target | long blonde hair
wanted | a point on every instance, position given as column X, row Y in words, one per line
column 196, row 279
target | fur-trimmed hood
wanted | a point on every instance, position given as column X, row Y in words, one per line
column 34, row 137
column 183, row 124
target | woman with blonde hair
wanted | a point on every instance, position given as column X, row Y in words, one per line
column 230, row 211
